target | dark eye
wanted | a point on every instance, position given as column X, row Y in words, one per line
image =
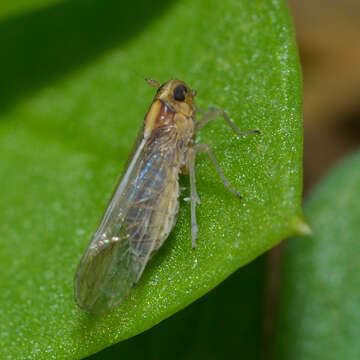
column 179, row 93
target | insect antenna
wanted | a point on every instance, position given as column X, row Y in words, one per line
column 153, row 82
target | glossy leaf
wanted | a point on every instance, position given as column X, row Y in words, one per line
column 72, row 100
column 216, row 326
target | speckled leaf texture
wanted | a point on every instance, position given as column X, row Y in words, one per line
column 214, row 327
column 319, row 315
column 72, row 98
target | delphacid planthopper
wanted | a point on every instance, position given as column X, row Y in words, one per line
column 144, row 207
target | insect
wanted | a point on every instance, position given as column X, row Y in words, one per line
column 144, row 207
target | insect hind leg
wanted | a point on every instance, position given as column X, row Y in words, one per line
column 194, row 198
column 204, row 147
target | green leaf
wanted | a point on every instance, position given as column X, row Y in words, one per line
column 319, row 310
column 72, row 102
column 12, row 8
column 190, row 334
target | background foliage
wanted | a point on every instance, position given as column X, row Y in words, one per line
column 319, row 309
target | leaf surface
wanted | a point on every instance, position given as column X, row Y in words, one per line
column 72, row 101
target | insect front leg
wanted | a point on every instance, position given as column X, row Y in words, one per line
column 212, row 114
column 194, row 198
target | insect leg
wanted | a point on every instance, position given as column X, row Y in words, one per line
column 212, row 114
column 194, row 198
column 204, row 147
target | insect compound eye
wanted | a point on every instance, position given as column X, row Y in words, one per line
column 179, row 93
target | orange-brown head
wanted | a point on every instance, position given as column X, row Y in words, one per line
column 178, row 96
column 173, row 97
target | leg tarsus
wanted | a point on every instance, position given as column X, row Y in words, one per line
column 194, row 232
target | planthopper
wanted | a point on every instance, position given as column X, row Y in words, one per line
column 144, row 206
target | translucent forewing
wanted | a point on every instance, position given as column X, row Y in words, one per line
column 144, row 207
column 137, row 220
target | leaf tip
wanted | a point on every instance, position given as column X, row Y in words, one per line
column 301, row 227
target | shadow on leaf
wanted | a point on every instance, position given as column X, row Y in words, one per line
column 40, row 46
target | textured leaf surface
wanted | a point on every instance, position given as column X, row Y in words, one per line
column 235, row 307
column 71, row 103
